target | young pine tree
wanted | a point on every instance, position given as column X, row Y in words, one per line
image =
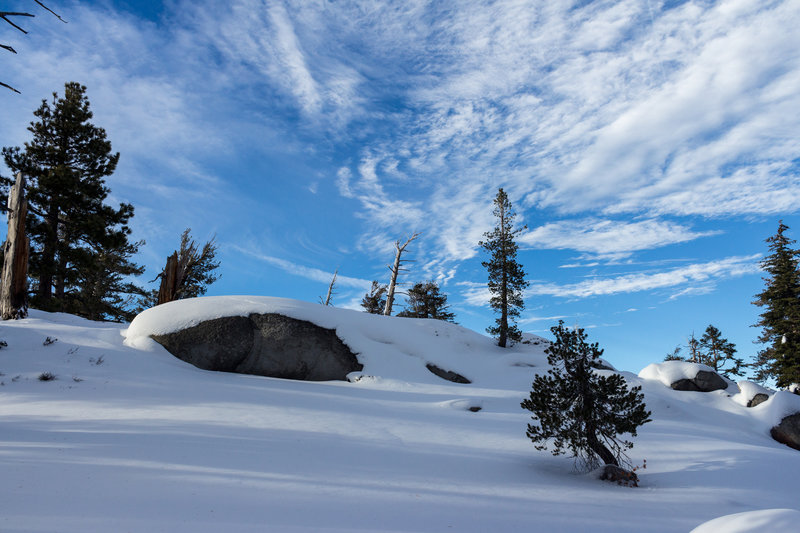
column 780, row 319
column 578, row 410
column 70, row 226
column 374, row 302
column 426, row 301
column 506, row 275
column 718, row 353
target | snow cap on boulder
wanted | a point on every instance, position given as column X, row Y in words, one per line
column 684, row 376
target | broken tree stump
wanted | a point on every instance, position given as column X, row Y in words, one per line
column 14, row 283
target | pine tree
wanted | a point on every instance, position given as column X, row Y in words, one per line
column 426, row 301
column 71, row 228
column 716, row 351
column 374, row 302
column 506, row 275
column 187, row 274
column 780, row 320
column 577, row 409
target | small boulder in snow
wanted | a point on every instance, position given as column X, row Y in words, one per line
column 449, row 375
column 794, row 388
column 788, row 431
column 751, row 394
column 685, row 376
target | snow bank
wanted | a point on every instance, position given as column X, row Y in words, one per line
column 753, row 522
column 669, row 372
column 388, row 347
column 747, row 391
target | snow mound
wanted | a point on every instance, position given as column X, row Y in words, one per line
column 669, row 372
column 747, row 391
column 753, row 522
column 388, row 347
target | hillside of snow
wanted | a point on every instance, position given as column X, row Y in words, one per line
column 129, row 438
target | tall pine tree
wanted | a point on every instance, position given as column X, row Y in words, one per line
column 80, row 245
column 425, row 300
column 506, row 276
column 780, row 320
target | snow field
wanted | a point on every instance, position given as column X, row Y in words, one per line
column 145, row 442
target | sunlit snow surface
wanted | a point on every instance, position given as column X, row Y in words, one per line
column 143, row 442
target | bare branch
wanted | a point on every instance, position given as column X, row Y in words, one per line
column 8, row 48
column 9, row 87
column 5, row 14
column 51, row 11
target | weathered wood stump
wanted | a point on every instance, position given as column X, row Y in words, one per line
column 14, row 284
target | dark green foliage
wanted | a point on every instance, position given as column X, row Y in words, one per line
column 674, row 355
column 506, row 276
column 194, row 269
column 578, row 410
column 374, row 301
column 717, row 352
column 712, row 350
column 80, row 251
column 426, row 301
column 780, row 319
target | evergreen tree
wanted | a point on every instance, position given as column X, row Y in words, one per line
column 506, row 276
column 780, row 319
column 426, row 301
column 577, row 409
column 71, row 229
column 374, row 302
column 187, row 274
column 716, row 351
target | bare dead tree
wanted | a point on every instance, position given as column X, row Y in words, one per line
column 395, row 269
column 14, row 290
column 327, row 299
column 5, row 14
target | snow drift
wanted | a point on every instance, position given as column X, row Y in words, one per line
column 127, row 437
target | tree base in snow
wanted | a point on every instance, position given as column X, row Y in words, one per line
column 619, row 475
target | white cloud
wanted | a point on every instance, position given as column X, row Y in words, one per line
column 608, row 238
column 699, row 274
column 313, row 274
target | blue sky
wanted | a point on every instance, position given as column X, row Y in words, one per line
column 649, row 146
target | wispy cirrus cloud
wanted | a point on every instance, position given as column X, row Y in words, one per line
column 609, row 238
column 695, row 278
column 313, row 274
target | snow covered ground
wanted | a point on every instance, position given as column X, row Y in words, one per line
column 129, row 438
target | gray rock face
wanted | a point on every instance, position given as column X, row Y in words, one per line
column 758, row 399
column 704, row 381
column 266, row 345
column 788, row 431
column 449, row 375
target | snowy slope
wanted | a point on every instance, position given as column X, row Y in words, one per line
column 144, row 442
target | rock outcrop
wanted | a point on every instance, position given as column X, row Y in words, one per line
column 266, row 345
column 704, row 381
column 449, row 375
column 788, row 431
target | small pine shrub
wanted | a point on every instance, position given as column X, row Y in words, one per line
column 48, row 341
column 47, row 376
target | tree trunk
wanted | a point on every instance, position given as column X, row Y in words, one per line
column 600, row 449
column 48, row 257
column 14, row 290
column 169, row 280
column 395, row 269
